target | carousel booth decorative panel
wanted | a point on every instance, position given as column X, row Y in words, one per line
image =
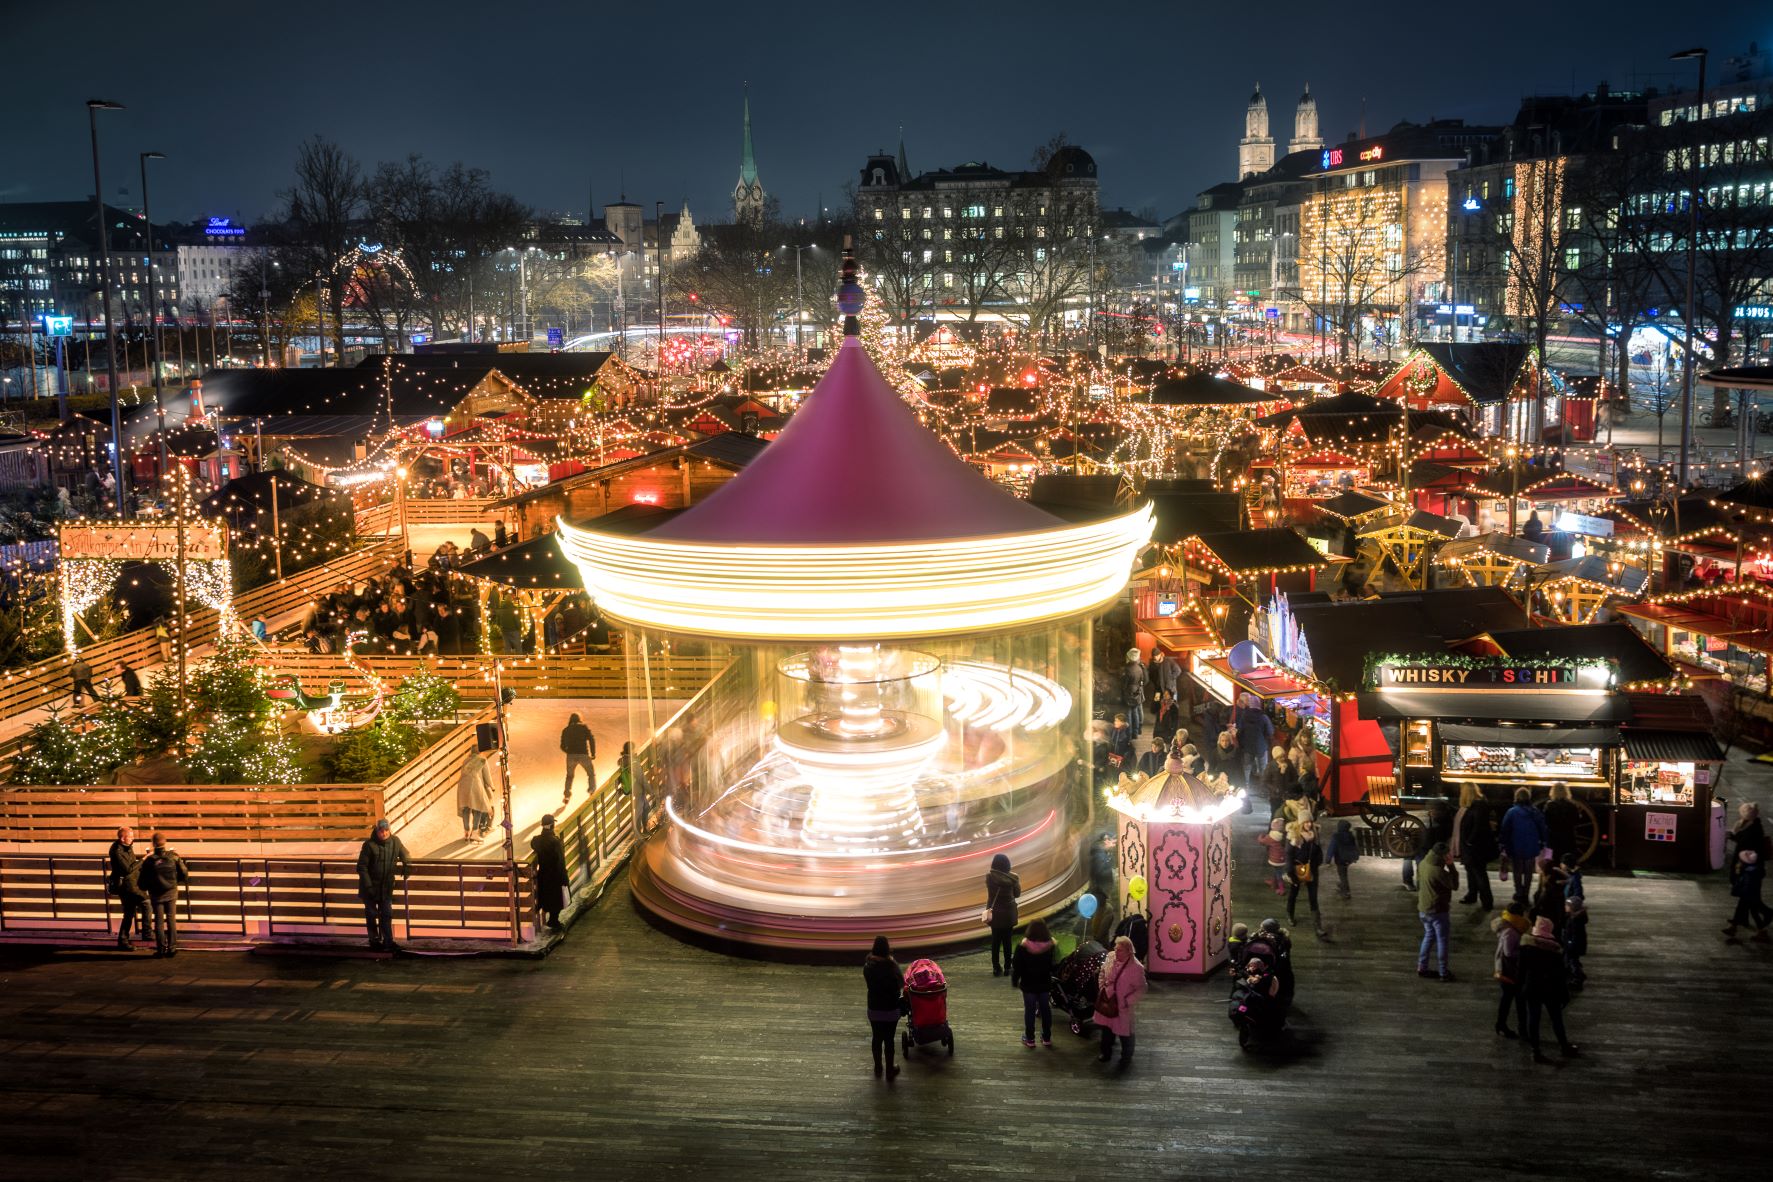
column 1175, row 867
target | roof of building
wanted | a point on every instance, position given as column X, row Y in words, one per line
column 1253, row 551
column 729, row 449
column 535, row 565
column 1206, row 389
column 1638, row 662
column 1341, row 634
column 1485, row 370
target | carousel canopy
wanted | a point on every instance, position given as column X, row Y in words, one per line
column 1205, row 389
column 535, row 565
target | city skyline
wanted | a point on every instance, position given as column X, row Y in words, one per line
column 666, row 126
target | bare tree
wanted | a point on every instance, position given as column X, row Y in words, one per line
column 1616, row 284
column 322, row 213
column 1354, row 257
column 1536, row 233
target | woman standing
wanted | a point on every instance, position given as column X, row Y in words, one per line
column 1001, row 889
column 1167, row 719
column 886, row 992
column 1746, row 834
column 1510, row 927
column 1279, row 780
column 1305, row 854
column 1474, row 845
column 1118, row 991
column 1750, row 873
column 474, row 797
column 1562, row 816
column 1032, row 972
column 1547, row 988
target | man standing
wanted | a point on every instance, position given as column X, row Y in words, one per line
column 81, row 672
column 163, row 873
column 1169, row 675
column 1522, row 835
column 580, row 747
column 1255, row 734
column 376, row 864
column 1434, row 903
column 1132, row 684
column 551, row 879
column 124, row 881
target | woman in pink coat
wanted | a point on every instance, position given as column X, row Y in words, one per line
column 1123, row 980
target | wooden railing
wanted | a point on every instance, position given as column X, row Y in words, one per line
column 191, row 813
column 376, row 519
column 466, row 512
column 587, row 675
column 261, row 898
column 290, row 592
column 432, row 776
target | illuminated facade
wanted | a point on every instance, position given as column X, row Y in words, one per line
column 906, row 690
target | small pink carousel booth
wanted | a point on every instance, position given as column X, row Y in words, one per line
column 1174, row 835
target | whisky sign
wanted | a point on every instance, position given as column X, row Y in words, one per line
column 134, row 541
column 1417, row 676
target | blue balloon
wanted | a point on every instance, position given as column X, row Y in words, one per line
column 1086, row 906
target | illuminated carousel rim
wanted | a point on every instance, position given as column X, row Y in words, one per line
column 880, row 590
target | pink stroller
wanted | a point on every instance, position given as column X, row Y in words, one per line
column 927, row 991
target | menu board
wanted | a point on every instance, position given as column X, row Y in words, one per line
column 1660, row 826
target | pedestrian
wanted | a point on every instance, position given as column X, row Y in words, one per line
column 163, row 872
column 1222, row 755
column 377, row 862
column 1304, row 857
column 551, row 879
column 1747, row 833
column 1342, row 853
column 1278, row 780
column 1562, row 816
column 1002, row 886
column 1575, row 939
column 477, row 542
column 1255, row 735
column 1475, row 846
column 1434, row 904
column 1031, row 971
column 1509, row 927
column 163, row 638
column 1751, row 871
column 1275, row 842
column 1120, row 745
column 500, row 537
column 124, row 881
column 1132, row 690
column 886, row 1001
column 1572, row 877
column 1547, row 988
column 1118, row 991
column 1166, row 720
column 1548, row 897
column 81, row 674
column 1169, row 675
column 260, row 632
column 1281, row 941
column 1152, row 762
column 128, row 684
column 580, row 748
column 474, row 797
column 1522, row 835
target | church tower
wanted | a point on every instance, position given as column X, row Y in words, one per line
column 1305, row 133
column 748, row 193
column 1255, row 152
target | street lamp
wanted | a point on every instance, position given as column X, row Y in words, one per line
column 799, row 299
column 154, row 311
column 93, row 107
column 1692, row 254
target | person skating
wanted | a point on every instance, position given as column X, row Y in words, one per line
column 1031, row 971
column 580, row 748
column 1522, row 835
column 1434, row 904
column 1305, row 856
column 124, row 881
column 1118, row 991
column 886, row 994
column 551, row 877
column 1342, row 853
column 1510, row 927
column 1002, row 887
column 1751, row 871
column 163, row 872
column 474, row 797
column 81, row 674
column 381, row 857
column 1544, row 982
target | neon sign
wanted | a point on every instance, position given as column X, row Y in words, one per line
column 1332, row 158
column 223, row 228
column 1376, row 152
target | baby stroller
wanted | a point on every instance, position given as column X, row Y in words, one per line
column 1074, row 984
column 927, row 991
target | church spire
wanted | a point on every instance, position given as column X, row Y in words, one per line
column 748, row 193
column 904, row 168
column 747, row 158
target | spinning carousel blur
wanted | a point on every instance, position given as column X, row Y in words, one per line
column 906, row 687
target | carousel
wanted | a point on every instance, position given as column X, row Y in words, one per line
column 905, row 691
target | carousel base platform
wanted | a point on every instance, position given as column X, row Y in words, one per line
column 668, row 895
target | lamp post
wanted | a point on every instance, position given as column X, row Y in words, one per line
column 154, row 310
column 1692, row 256
column 93, row 107
column 400, row 503
column 799, row 298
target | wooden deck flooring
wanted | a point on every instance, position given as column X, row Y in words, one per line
column 629, row 1055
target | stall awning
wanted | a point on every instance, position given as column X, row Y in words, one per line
column 1530, row 736
column 1266, row 684
column 1672, row 747
column 1498, row 705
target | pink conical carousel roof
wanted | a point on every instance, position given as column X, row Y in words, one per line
column 854, row 465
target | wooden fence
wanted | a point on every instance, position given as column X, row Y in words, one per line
column 376, row 519
column 262, row 898
column 465, row 512
column 565, row 675
column 432, row 776
column 186, row 812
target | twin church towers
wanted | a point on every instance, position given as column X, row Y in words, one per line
column 1255, row 152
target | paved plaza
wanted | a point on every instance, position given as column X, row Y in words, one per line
column 626, row 1054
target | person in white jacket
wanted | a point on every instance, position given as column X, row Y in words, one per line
column 1117, row 995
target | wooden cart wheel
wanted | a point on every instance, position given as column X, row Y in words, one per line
column 1374, row 816
column 1401, row 834
column 1588, row 832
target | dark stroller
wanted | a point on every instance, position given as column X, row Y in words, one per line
column 1074, row 984
column 926, row 989
column 1261, row 989
column 1136, row 928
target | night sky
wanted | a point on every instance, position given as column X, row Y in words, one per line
column 560, row 100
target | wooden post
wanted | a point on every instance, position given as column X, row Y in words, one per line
column 276, row 532
column 184, row 478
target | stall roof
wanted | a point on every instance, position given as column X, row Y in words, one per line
column 1531, row 736
column 1353, row 503
column 1182, row 515
column 1638, row 662
column 1541, row 482
column 1510, row 705
column 1671, row 746
column 1501, row 544
column 1753, row 493
column 1596, row 571
column 1420, row 520
column 1204, row 389
column 535, row 565
column 1484, row 370
column 1073, row 495
column 1254, row 551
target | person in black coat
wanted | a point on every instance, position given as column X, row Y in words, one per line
column 162, row 873
column 1562, row 816
column 381, row 857
column 1031, row 971
column 1305, row 856
column 1001, row 889
column 886, row 995
column 551, row 877
column 124, row 882
column 1545, row 984
column 1476, row 833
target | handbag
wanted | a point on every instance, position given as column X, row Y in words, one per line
column 1106, row 1003
column 990, row 906
column 1302, row 871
